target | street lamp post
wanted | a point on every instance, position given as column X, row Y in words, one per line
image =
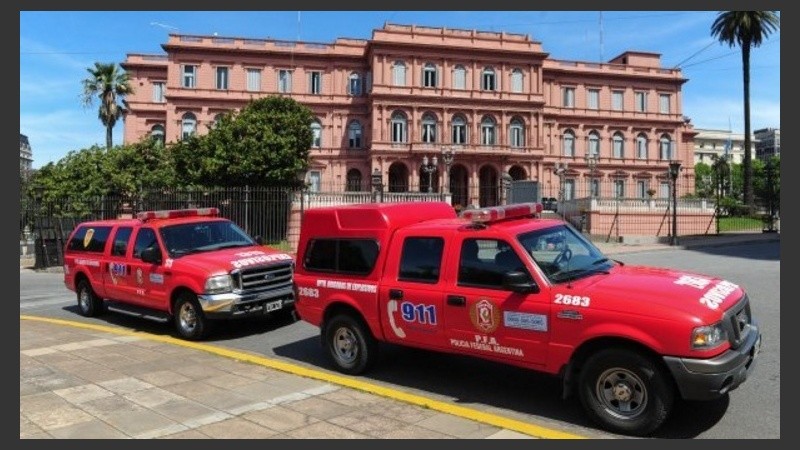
column 377, row 186
column 428, row 167
column 560, row 170
column 674, row 168
column 447, row 159
column 506, row 180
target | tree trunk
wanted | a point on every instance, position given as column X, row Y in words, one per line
column 108, row 136
column 748, row 163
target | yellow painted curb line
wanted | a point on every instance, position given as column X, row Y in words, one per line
column 436, row 405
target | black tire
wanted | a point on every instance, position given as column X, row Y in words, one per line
column 190, row 321
column 625, row 391
column 350, row 344
column 89, row 304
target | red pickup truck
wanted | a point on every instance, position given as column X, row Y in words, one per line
column 506, row 285
column 188, row 266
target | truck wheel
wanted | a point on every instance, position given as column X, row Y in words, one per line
column 350, row 344
column 625, row 392
column 190, row 320
column 89, row 304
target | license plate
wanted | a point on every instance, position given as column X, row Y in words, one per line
column 274, row 306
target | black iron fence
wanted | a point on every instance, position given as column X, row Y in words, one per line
column 606, row 208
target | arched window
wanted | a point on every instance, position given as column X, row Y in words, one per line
column 665, row 147
column 218, row 118
column 594, row 143
column 459, row 77
column 517, row 133
column 157, row 133
column 428, row 128
column 459, row 125
column 316, row 131
column 568, row 142
column 354, row 87
column 399, row 73
column 488, row 80
column 618, row 144
column 488, row 132
column 354, row 134
column 188, row 125
column 399, row 128
column 641, row 146
column 354, row 180
column 516, row 80
column 429, row 75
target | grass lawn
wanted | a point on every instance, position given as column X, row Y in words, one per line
column 739, row 224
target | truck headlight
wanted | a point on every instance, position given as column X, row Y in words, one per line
column 219, row 284
column 709, row 336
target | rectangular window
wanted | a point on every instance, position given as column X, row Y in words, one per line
column 355, row 85
column 641, row 101
column 663, row 103
column 641, row 189
column 189, row 76
column 569, row 189
column 315, row 82
column 89, row 239
column 616, row 100
column 222, row 78
column 619, row 188
column 593, row 99
column 595, row 188
column 488, row 81
column 663, row 189
column 354, row 137
column 121, row 238
column 429, row 77
column 158, row 91
column 253, row 80
column 484, row 262
column 459, row 134
column 459, row 78
column 421, row 259
column 516, row 81
column 284, row 80
column 568, row 99
column 314, row 180
column 354, row 256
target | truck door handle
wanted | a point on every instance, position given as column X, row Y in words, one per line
column 456, row 300
column 395, row 294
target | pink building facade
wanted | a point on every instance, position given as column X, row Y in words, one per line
column 498, row 101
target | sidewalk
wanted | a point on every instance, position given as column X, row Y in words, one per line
column 688, row 242
column 83, row 383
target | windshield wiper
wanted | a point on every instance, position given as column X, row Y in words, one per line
column 232, row 245
column 600, row 261
column 187, row 251
column 573, row 274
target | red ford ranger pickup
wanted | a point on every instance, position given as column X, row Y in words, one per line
column 188, row 266
column 505, row 285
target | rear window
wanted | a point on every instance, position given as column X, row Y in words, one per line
column 352, row 256
column 90, row 239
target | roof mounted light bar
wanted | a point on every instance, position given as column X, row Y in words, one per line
column 498, row 213
column 144, row 216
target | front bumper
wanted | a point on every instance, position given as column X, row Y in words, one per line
column 232, row 304
column 707, row 379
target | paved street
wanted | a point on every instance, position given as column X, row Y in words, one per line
column 516, row 395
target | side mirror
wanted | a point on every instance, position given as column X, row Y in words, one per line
column 151, row 255
column 519, row 282
column 259, row 240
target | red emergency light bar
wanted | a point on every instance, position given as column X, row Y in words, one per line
column 175, row 213
column 494, row 214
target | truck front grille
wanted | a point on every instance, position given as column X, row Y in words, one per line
column 263, row 278
column 737, row 321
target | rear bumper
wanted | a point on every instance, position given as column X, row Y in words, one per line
column 231, row 305
column 707, row 379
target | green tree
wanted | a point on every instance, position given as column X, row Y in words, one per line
column 265, row 144
column 746, row 29
column 704, row 180
column 110, row 85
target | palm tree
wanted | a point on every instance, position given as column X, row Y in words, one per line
column 746, row 29
column 109, row 84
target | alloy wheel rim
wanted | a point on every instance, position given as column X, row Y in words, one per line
column 188, row 317
column 622, row 393
column 345, row 345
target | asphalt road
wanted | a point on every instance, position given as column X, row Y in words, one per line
column 750, row 412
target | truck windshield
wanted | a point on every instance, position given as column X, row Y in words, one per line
column 196, row 237
column 563, row 254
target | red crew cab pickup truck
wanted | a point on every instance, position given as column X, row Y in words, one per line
column 187, row 266
column 505, row 285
